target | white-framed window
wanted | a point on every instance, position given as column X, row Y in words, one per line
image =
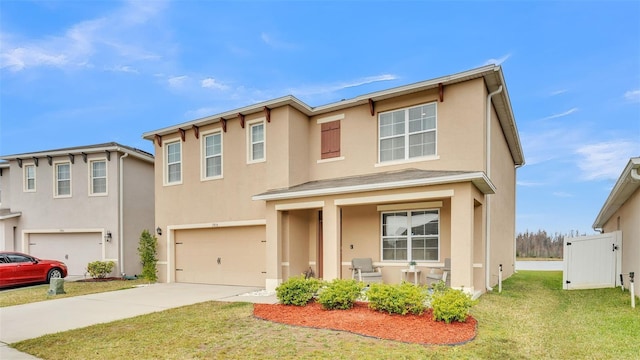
column 212, row 155
column 407, row 133
column 411, row 235
column 173, row 162
column 98, row 176
column 62, row 186
column 29, row 178
column 256, row 142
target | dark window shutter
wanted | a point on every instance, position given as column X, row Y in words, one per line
column 330, row 144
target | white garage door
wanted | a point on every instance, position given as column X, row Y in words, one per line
column 226, row 256
column 74, row 249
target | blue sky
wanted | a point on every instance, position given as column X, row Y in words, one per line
column 85, row 72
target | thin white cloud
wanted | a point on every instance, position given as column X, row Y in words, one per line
column 124, row 69
column 211, row 83
column 562, row 194
column 177, row 81
column 275, row 43
column 562, row 114
column 200, row 113
column 498, row 61
column 632, row 95
column 558, row 92
column 332, row 88
column 529, row 183
column 605, row 160
column 101, row 40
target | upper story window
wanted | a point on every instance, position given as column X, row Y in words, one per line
column 256, row 142
column 63, row 180
column 98, row 169
column 173, row 162
column 407, row 133
column 411, row 235
column 29, row 178
column 212, row 155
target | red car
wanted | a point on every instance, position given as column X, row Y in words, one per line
column 18, row 268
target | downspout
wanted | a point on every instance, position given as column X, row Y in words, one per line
column 515, row 248
column 121, row 213
column 487, row 198
column 635, row 174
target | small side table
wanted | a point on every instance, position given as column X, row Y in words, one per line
column 415, row 272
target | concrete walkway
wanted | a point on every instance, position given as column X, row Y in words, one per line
column 29, row 321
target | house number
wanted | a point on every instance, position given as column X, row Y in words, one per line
column 214, row 225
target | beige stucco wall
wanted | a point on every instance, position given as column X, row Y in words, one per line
column 459, row 125
column 138, row 209
column 627, row 219
column 502, row 205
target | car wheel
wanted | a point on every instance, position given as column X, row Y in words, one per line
column 54, row 274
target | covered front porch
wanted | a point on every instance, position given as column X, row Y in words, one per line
column 417, row 215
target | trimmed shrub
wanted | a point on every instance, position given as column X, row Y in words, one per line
column 397, row 299
column 297, row 290
column 451, row 305
column 100, row 269
column 148, row 251
column 340, row 294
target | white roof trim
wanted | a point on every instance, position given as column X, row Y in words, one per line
column 624, row 188
column 479, row 179
column 79, row 150
column 10, row 215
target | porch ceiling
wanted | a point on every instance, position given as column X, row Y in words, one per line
column 380, row 181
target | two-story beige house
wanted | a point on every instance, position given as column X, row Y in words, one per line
column 78, row 205
column 423, row 172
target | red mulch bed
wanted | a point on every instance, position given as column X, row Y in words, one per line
column 419, row 329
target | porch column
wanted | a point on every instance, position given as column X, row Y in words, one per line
column 462, row 207
column 331, row 261
column 273, row 248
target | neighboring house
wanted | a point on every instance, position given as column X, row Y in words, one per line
column 621, row 212
column 78, row 205
column 255, row 195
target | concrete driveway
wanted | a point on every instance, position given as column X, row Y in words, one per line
column 29, row 321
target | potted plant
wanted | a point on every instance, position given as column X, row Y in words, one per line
column 412, row 265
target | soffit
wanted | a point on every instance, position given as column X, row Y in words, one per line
column 621, row 192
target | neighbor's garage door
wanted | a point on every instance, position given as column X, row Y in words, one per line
column 225, row 255
column 74, row 249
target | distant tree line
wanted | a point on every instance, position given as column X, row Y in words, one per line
column 541, row 244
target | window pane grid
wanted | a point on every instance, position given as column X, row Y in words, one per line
column 421, row 243
column 63, row 179
column 30, row 177
column 257, row 142
column 98, row 177
column 407, row 133
column 213, row 155
column 174, row 168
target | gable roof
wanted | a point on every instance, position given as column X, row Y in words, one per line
column 379, row 181
column 89, row 149
column 627, row 185
column 493, row 78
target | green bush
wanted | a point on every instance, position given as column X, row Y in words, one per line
column 397, row 299
column 100, row 269
column 340, row 294
column 297, row 290
column 451, row 305
column 148, row 251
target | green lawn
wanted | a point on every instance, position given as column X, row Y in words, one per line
column 533, row 318
column 37, row 293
